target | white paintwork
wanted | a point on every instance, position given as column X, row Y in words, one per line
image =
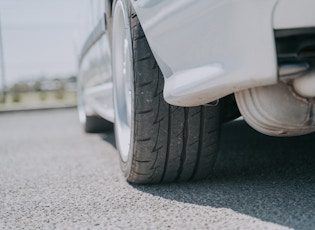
column 206, row 49
column 190, row 39
column 95, row 73
column 294, row 14
column 187, row 35
column 99, row 100
column 183, row 87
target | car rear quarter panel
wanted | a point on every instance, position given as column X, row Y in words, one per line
column 209, row 49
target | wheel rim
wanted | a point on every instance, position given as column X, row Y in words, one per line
column 122, row 75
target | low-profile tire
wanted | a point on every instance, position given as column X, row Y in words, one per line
column 157, row 142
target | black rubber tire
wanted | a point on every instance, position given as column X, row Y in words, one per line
column 168, row 143
column 96, row 124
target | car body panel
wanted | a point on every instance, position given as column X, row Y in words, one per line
column 95, row 71
column 209, row 49
column 206, row 49
column 294, row 14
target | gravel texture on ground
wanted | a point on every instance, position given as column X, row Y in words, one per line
column 54, row 176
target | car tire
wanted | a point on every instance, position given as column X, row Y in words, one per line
column 157, row 142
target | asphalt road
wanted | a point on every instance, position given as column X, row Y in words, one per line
column 52, row 175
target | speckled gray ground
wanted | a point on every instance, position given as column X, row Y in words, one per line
column 52, row 175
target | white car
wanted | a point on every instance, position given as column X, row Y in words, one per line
column 168, row 73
